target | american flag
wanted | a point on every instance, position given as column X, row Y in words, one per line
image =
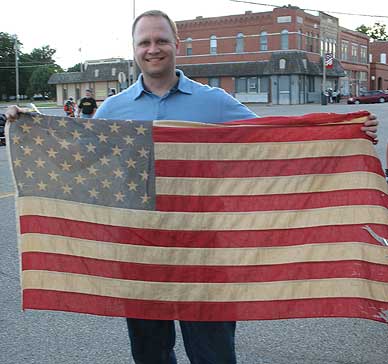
column 271, row 218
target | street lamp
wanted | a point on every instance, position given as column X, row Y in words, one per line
column 16, row 48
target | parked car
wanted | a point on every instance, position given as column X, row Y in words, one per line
column 369, row 97
column 2, row 129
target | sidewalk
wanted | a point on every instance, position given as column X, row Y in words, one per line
column 6, row 183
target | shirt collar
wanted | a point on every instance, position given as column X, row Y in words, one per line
column 183, row 85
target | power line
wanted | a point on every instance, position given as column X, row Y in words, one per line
column 325, row 11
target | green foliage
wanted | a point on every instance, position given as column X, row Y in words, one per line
column 377, row 31
column 35, row 68
column 75, row 68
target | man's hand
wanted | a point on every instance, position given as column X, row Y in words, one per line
column 12, row 113
column 370, row 127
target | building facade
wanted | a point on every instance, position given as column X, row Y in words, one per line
column 99, row 76
column 274, row 57
column 378, row 65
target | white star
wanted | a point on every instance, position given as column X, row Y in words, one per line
column 143, row 152
column 141, row 130
column 144, row 175
column 93, row 193
column 114, row 128
column 130, row 163
column 92, row 170
column 103, row 138
column 79, row 179
column 26, row 128
column 42, row 186
column 65, row 166
column 16, row 139
column 78, row 157
column 37, row 119
column 29, row 173
column 53, row 176
column 76, row 134
column 119, row 196
column 91, row 148
column 27, row 150
column 104, row 160
column 129, row 140
column 62, row 123
column 105, row 183
column 132, row 186
column 64, row 144
column 66, row 189
column 118, row 173
column 17, row 162
column 116, row 150
column 88, row 125
column 145, row 198
column 40, row 163
column 52, row 153
column 39, row 140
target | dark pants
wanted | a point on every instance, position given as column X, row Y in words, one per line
column 152, row 341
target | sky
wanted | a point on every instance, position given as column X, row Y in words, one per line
column 101, row 28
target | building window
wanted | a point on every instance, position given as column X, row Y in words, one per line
column 214, row 82
column 241, row 85
column 252, row 84
column 282, row 64
column 299, row 39
column 354, row 53
column 383, row 58
column 113, row 71
column 363, row 76
column 189, row 46
column 213, row 44
column 284, row 19
column 299, row 19
column 370, row 58
column 363, row 55
column 96, row 72
column 311, row 83
column 284, row 39
column 240, row 43
column 264, row 41
column 309, row 42
column 344, row 50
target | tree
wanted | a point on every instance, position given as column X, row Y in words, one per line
column 7, row 65
column 75, row 68
column 38, row 83
column 377, row 31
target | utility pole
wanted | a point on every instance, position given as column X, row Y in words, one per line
column 16, row 48
column 323, row 51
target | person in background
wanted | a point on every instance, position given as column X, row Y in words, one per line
column 70, row 107
column 87, row 106
column 112, row 92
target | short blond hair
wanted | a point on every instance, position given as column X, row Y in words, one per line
column 156, row 13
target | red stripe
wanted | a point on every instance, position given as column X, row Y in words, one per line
column 204, row 311
column 256, row 134
column 294, row 201
column 204, row 274
column 199, row 239
column 267, row 168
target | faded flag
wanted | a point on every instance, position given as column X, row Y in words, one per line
column 271, row 218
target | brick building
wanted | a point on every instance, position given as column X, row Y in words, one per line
column 274, row 57
column 378, row 65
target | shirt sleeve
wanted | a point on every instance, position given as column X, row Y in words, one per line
column 232, row 110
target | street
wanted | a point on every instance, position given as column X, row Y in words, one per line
column 40, row 337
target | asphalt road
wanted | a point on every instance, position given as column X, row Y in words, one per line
column 39, row 337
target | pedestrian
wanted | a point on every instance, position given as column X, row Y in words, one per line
column 164, row 93
column 70, row 107
column 87, row 106
column 112, row 92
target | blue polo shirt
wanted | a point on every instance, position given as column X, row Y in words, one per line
column 188, row 101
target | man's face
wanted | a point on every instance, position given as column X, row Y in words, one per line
column 155, row 47
column 88, row 94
